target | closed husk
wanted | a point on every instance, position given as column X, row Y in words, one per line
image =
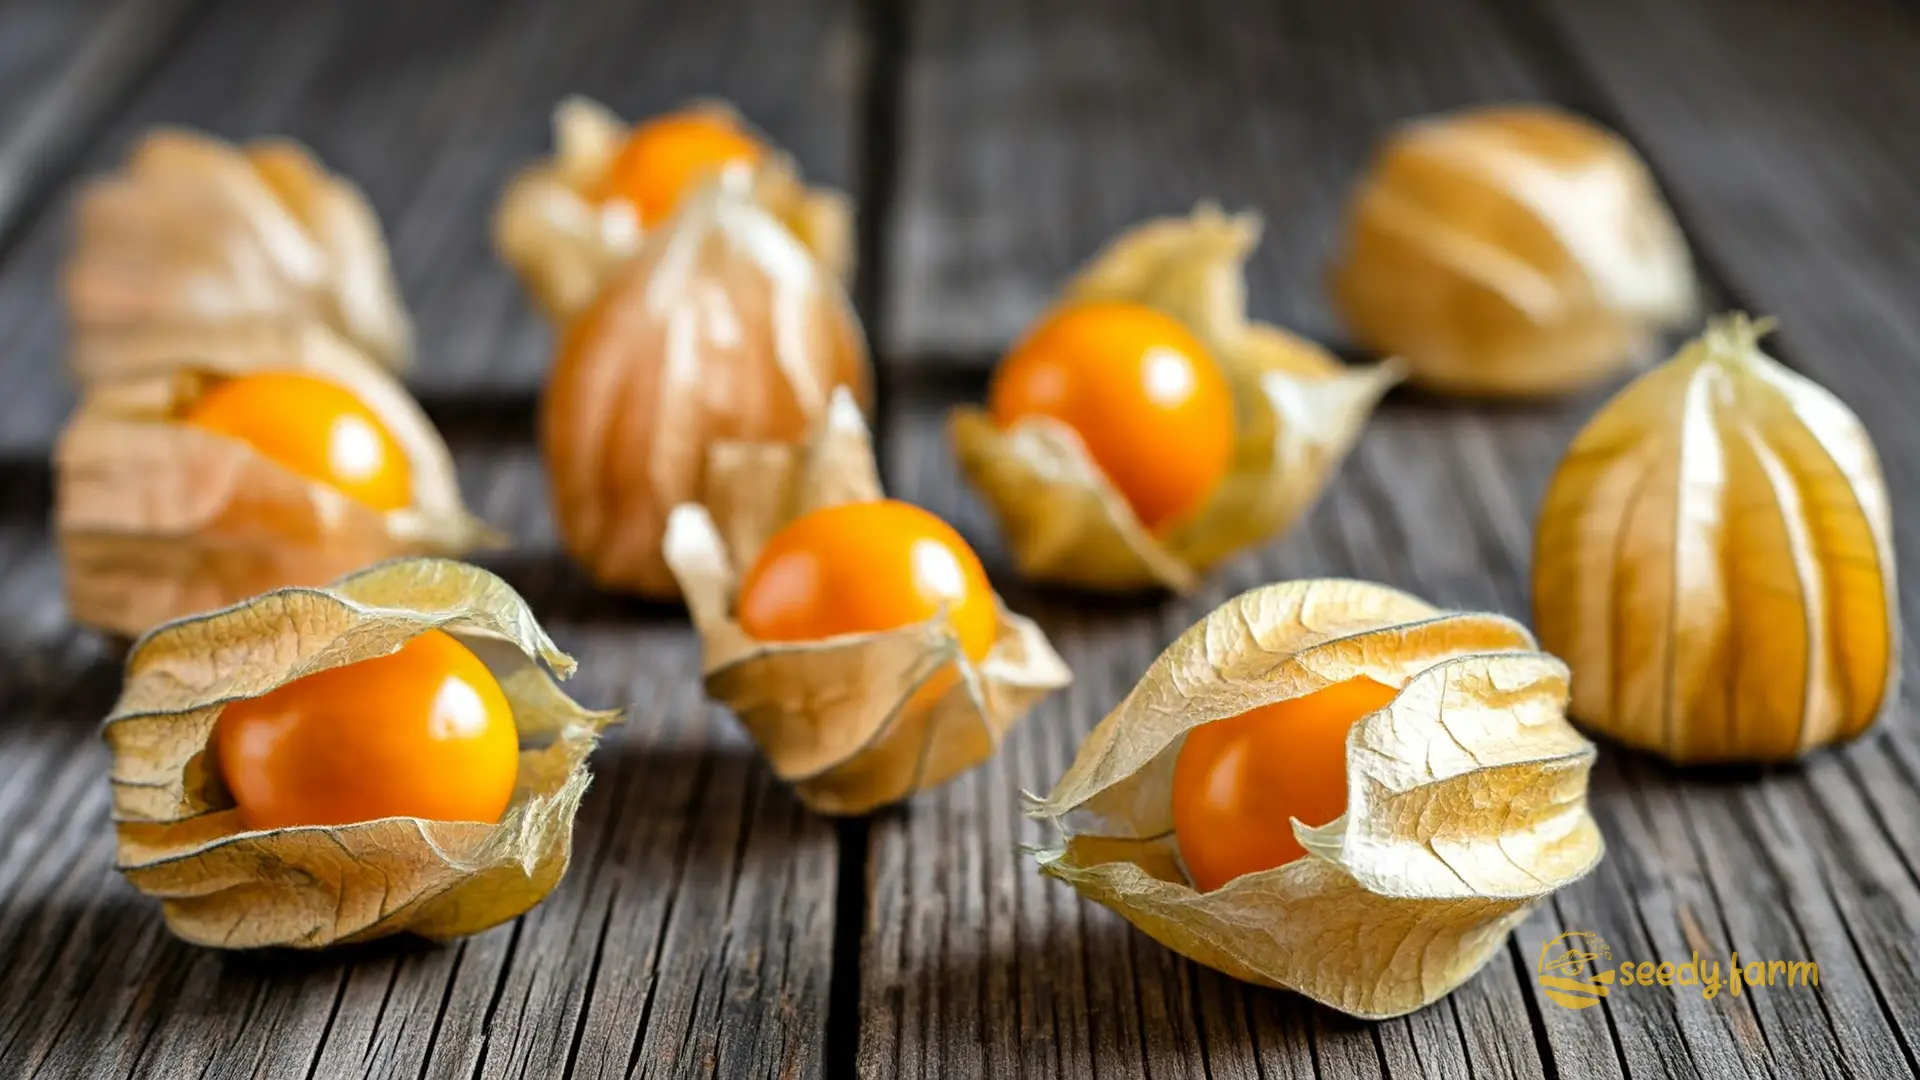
column 1466, row 797
column 180, row 839
column 839, row 718
column 723, row 327
column 1511, row 251
column 1297, row 411
column 1715, row 560
column 195, row 237
column 157, row 519
column 565, row 242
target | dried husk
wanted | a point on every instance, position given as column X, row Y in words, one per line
column 1466, row 797
column 1715, row 560
column 565, row 242
column 1297, row 411
column 181, row 840
column 1511, row 251
column 157, row 519
column 723, row 327
column 194, row 236
column 838, row 718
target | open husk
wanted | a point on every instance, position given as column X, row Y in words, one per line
column 180, row 838
column 1466, row 797
column 838, row 718
column 1297, row 410
column 196, row 236
column 1511, row 251
column 565, row 241
column 723, row 327
column 1715, row 560
column 157, row 519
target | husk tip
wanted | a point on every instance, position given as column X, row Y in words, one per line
column 1737, row 334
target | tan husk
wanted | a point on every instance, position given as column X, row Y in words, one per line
column 722, row 328
column 837, row 718
column 195, row 236
column 157, row 519
column 1297, row 410
column 1715, row 560
column 180, row 839
column 1511, row 251
column 565, row 243
column 1466, row 797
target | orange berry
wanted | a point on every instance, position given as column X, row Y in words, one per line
column 314, row 428
column 1240, row 782
column 1143, row 394
column 860, row 568
column 669, row 155
column 423, row 732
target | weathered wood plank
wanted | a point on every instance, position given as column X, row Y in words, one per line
column 1098, row 115
column 1034, row 131
column 64, row 65
column 1778, row 130
column 690, row 938
column 693, row 935
column 431, row 107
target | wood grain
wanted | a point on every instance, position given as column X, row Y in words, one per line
column 64, row 65
column 1142, row 111
column 431, row 106
column 710, row 926
column 1034, row 130
column 693, row 934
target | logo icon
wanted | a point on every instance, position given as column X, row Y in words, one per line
column 1571, row 966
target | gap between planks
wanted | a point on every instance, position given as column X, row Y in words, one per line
column 884, row 38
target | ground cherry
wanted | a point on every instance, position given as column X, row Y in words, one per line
column 1239, row 783
column 1140, row 390
column 423, row 732
column 315, row 428
column 864, row 567
column 666, row 156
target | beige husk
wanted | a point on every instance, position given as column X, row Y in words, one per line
column 1511, row 251
column 1297, row 410
column 157, row 519
column 835, row 717
column 723, row 327
column 1715, row 560
column 564, row 243
column 180, row 839
column 195, row 236
column 1466, row 797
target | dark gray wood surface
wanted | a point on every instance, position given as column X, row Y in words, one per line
column 710, row 926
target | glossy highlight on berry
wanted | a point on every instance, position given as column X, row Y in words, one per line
column 423, row 732
column 312, row 427
column 866, row 567
column 1145, row 396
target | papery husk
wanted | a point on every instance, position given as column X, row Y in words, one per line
column 1513, row 251
column 722, row 328
column 1466, row 797
column 157, row 519
column 1297, row 411
column 195, row 236
column 565, row 243
column 1715, row 560
column 837, row 718
column 180, row 839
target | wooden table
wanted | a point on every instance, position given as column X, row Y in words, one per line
column 710, row 926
